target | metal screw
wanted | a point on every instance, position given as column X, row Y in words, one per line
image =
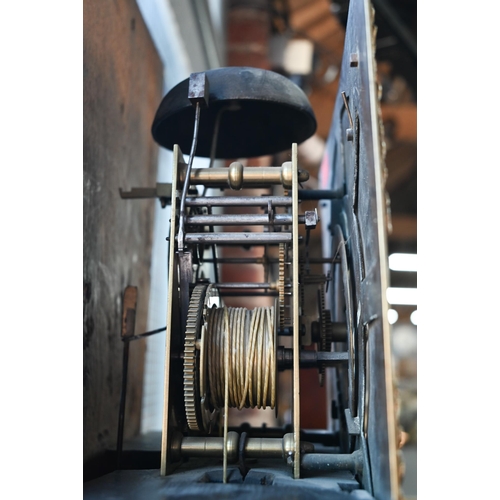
column 311, row 218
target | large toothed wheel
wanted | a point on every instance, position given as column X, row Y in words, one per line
column 281, row 285
column 192, row 358
column 325, row 322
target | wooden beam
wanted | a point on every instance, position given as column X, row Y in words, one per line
column 122, row 82
column 404, row 227
column 309, row 14
column 322, row 100
column 401, row 161
column 404, row 117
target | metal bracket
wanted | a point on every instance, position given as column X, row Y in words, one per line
column 163, row 191
column 353, row 426
column 311, row 218
column 199, row 89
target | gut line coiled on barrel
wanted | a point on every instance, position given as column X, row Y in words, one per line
column 252, row 357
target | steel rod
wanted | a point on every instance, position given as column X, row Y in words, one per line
column 317, row 194
column 237, row 238
column 214, row 253
column 237, row 201
column 128, row 331
column 180, row 237
column 250, row 286
column 332, row 461
column 243, row 260
column 267, row 293
column 268, row 260
column 241, row 220
column 237, row 176
column 145, row 334
column 254, row 447
column 324, row 437
column 121, row 414
column 310, row 359
column 246, row 286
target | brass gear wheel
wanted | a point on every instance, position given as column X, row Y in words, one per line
column 325, row 321
column 281, row 285
column 322, row 317
column 191, row 382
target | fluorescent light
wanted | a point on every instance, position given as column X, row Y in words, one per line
column 413, row 317
column 298, row 57
column 392, row 316
column 403, row 296
column 403, row 262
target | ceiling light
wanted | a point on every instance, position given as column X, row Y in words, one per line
column 403, row 262
column 392, row 316
column 402, row 296
column 298, row 57
column 413, row 317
